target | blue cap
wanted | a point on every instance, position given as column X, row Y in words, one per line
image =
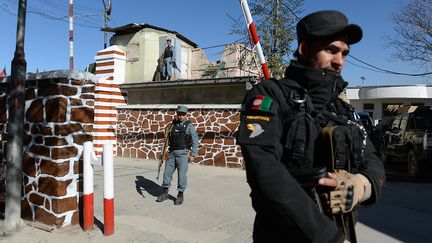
column 182, row 109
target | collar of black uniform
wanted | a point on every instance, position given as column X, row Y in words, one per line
column 178, row 121
column 322, row 85
column 303, row 75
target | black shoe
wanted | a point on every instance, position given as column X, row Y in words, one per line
column 179, row 199
column 164, row 196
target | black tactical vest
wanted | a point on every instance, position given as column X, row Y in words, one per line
column 178, row 138
column 303, row 132
column 168, row 52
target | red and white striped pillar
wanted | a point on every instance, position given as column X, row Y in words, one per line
column 108, row 189
column 253, row 37
column 110, row 69
column 88, row 186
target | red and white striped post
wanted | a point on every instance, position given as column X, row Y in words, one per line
column 108, row 165
column 88, row 186
column 253, row 37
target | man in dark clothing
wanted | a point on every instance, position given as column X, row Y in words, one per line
column 167, row 68
column 284, row 210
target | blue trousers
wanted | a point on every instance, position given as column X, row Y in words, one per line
column 177, row 159
column 167, row 68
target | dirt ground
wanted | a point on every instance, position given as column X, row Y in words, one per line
column 216, row 208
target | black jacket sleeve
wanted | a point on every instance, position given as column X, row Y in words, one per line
column 374, row 171
column 260, row 137
column 373, row 167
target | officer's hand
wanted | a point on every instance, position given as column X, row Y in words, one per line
column 329, row 181
column 347, row 241
column 191, row 159
column 348, row 190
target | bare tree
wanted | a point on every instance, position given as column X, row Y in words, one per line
column 414, row 27
column 275, row 22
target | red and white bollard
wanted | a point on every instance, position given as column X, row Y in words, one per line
column 253, row 37
column 89, row 157
column 108, row 189
column 107, row 162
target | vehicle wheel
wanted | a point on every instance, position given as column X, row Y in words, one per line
column 413, row 164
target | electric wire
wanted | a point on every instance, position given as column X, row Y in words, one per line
column 55, row 10
column 374, row 68
column 390, row 72
column 360, row 66
column 88, row 20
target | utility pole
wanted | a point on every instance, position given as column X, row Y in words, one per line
column 71, row 51
column 362, row 79
column 107, row 14
column 276, row 27
column 15, row 129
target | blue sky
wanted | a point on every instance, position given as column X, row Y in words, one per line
column 204, row 22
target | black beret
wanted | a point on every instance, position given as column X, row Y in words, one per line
column 327, row 23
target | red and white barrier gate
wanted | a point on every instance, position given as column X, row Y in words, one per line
column 107, row 162
column 253, row 37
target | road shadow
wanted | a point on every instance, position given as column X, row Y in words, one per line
column 143, row 184
column 2, row 210
column 99, row 224
column 403, row 211
column 398, row 173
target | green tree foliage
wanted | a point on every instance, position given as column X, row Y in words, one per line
column 413, row 25
column 275, row 21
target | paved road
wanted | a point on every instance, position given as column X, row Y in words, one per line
column 217, row 208
column 404, row 211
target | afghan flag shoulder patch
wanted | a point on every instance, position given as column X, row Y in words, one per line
column 262, row 103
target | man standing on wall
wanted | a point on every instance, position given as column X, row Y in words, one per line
column 182, row 138
column 168, row 61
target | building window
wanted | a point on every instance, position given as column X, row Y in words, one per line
column 390, row 109
column 368, row 107
column 132, row 52
column 417, row 104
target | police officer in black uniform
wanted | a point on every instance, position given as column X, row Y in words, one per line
column 284, row 211
column 182, row 138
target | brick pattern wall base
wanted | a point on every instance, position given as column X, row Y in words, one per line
column 59, row 114
column 140, row 134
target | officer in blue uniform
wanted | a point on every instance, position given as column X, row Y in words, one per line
column 183, row 140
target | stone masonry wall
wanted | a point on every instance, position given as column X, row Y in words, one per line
column 140, row 132
column 59, row 110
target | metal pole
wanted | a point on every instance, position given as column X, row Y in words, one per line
column 15, row 128
column 71, row 51
column 88, row 186
column 105, row 33
column 108, row 165
column 107, row 12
